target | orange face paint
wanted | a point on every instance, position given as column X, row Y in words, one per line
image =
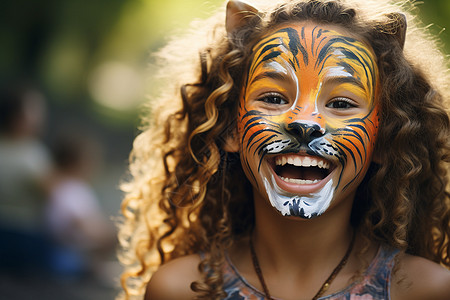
column 308, row 117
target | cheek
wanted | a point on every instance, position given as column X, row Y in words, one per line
column 252, row 133
column 256, row 131
column 253, row 126
column 357, row 140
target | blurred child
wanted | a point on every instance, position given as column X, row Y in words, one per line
column 24, row 170
column 74, row 215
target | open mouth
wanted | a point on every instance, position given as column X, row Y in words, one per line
column 300, row 169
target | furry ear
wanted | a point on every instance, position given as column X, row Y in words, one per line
column 395, row 26
column 238, row 14
column 400, row 26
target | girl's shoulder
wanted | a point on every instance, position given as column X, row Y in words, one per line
column 420, row 278
column 173, row 279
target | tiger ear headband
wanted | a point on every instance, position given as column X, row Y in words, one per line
column 238, row 14
column 396, row 26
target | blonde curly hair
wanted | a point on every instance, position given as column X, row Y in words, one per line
column 187, row 195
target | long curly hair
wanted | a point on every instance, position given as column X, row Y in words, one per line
column 187, row 195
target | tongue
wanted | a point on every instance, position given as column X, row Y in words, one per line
column 311, row 173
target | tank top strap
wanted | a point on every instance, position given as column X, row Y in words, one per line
column 383, row 262
column 376, row 281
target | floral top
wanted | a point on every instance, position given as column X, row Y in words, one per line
column 374, row 284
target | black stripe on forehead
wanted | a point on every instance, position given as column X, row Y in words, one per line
column 294, row 43
column 320, row 32
column 347, row 67
column 268, row 46
column 294, row 46
column 314, row 48
column 329, row 47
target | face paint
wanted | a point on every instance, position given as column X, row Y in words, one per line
column 307, row 117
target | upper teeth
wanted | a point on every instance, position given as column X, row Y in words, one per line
column 302, row 161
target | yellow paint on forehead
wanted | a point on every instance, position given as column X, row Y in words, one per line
column 346, row 57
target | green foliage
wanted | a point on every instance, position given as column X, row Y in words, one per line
column 437, row 13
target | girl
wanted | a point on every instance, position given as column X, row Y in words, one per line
column 305, row 158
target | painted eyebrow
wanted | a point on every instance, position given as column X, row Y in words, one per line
column 271, row 75
column 340, row 80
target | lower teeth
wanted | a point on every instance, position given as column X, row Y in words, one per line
column 299, row 181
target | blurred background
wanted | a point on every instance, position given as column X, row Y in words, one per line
column 72, row 80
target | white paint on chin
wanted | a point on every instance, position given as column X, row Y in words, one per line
column 313, row 205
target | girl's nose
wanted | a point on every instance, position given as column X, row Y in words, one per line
column 305, row 131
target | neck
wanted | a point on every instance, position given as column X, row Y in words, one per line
column 280, row 241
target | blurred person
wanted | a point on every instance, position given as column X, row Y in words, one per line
column 75, row 220
column 24, row 167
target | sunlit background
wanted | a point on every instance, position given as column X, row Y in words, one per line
column 89, row 58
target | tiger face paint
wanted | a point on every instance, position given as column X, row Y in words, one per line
column 308, row 117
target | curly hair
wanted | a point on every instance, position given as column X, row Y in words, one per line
column 187, row 195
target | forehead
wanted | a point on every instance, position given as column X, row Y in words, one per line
column 314, row 47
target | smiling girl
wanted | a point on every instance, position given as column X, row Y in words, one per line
column 306, row 158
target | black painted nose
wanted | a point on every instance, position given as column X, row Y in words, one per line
column 304, row 132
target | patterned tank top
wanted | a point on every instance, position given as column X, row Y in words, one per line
column 374, row 284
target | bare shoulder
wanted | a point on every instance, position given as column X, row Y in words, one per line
column 420, row 278
column 172, row 280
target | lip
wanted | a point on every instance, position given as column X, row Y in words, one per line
column 301, row 189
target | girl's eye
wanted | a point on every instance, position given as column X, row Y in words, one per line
column 341, row 103
column 273, row 99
